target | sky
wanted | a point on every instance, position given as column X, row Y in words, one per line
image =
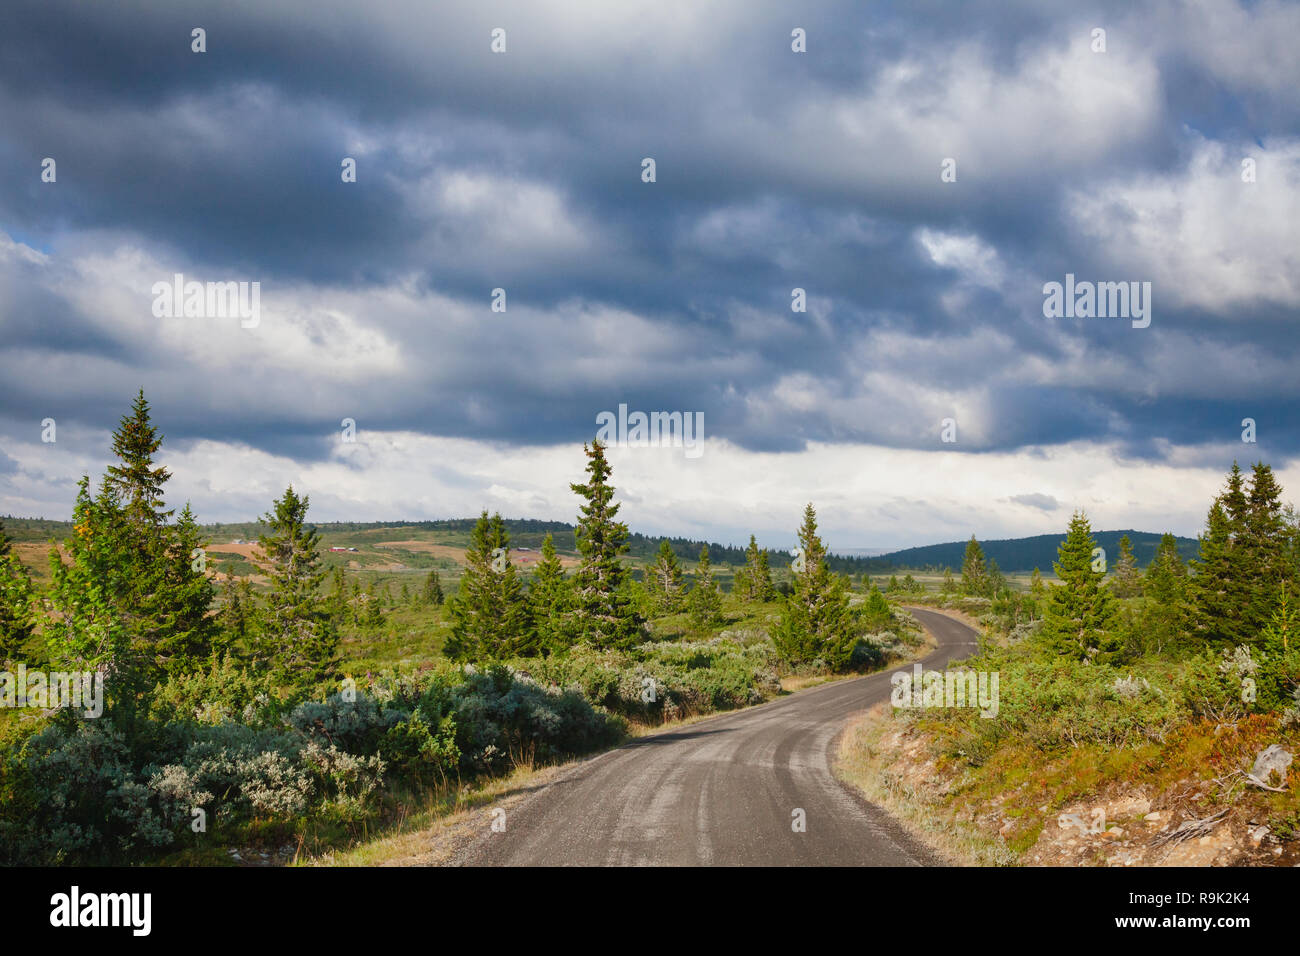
column 920, row 170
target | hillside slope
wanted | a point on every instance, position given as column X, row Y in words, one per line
column 1025, row 554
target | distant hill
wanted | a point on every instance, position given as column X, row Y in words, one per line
column 1011, row 554
column 455, row 532
column 1025, row 554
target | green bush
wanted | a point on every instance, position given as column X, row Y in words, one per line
column 83, row 791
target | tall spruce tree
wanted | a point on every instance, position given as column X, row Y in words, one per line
column 298, row 640
column 153, row 596
column 1080, row 614
column 815, row 622
column 604, row 613
column 1265, row 541
column 129, row 565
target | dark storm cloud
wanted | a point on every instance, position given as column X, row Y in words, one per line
column 522, row 171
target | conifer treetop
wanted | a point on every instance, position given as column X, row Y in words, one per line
column 137, row 481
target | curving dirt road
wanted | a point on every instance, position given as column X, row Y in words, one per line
column 721, row 792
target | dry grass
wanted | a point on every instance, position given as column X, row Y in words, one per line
column 864, row 763
column 432, row 834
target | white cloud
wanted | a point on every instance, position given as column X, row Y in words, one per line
column 866, row 496
column 1201, row 236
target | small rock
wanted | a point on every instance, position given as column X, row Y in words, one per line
column 1257, row 835
column 1152, row 817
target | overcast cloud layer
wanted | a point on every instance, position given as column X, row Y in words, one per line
column 775, row 170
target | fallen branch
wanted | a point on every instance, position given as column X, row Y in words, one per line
column 1189, row 829
column 1252, row 779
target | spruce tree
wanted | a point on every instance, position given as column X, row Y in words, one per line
column 135, row 569
column 753, row 582
column 974, row 576
column 1164, row 622
column 1264, row 542
column 489, row 612
column 151, row 593
column 548, row 598
column 372, row 609
column 1127, row 580
column 136, row 481
column 237, row 615
column 705, row 601
column 1245, row 559
column 1234, row 499
column 875, row 610
column 433, row 589
column 604, row 613
column 761, row 579
column 663, row 580
column 815, row 622
column 189, row 638
column 298, row 640
column 1080, row 613
column 1219, row 587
